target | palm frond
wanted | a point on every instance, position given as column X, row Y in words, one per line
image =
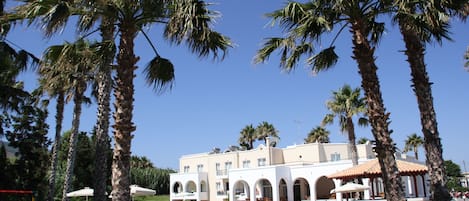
column 323, row 60
column 159, row 73
column 328, row 119
column 190, row 22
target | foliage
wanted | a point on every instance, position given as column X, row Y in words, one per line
column 154, row 178
column 27, row 132
column 84, row 163
column 452, row 169
column 249, row 134
column 412, row 143
column 140, row 162
column 318, row 135
column 363, row 140
column 453, row 173
column 247, row 137
column 152, row 198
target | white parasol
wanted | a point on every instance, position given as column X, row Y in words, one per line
column 140, row 191
column 349, row 188
column 85, row 192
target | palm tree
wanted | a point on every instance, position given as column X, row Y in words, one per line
column 346, row 103
column 318, row 135
column 264, row 130
column 363, row 140
column 412, row 143
column 419, row 22
column 247, row 136
column 304, row 24
column 72, row 60
column 185, row 21
column 53, row 83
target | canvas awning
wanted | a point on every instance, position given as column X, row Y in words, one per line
column 372, row 168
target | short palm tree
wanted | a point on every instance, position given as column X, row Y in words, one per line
column 305, row 24
column 345, row 104
column 363, row 140
column 264, row 130
column 412, row 143
column 318, row 135
column 247, row 137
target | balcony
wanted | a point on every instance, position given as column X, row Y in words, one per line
column 222, row 173
column 222, row 194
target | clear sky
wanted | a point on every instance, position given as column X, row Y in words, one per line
column 212, row 101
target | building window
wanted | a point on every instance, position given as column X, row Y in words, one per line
column 200, row 168
column 261, row 162
column 335, row 157
column 246, row 163
column 218, row 169
column 186, row 169
column 227, row 166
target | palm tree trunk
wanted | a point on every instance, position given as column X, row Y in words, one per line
column 59, row 116
column 123, row 126
column 351, row 141
column 78, row 99
column 363, row 53
column 422, row 88
column 416, row 153
column 102, row 125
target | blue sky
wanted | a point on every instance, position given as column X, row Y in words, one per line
column 212, row 101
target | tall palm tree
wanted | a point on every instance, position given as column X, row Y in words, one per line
column 264, row 130
column 185, row 21
column 412, row 143
column 304, row 24
column 53, row 83
column 345, row 104
column 103, row 89
column 247, row 136
column 318, row 135
column 74, row 60
column 419, row 22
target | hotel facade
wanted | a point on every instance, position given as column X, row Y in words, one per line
column 267, row 173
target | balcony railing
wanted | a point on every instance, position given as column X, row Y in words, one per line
column 222, row 172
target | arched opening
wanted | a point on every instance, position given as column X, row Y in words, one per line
column 301, row 190
column 282, row 190
column 324, row 187
column 203, row 186
column 263, row 190
column 241, row 191
column 191, row 187
column 177, row 187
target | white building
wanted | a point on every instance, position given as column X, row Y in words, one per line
column 267, row 173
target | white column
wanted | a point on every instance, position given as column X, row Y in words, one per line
column 366, row 193
column 337, row 182
column 312, row 191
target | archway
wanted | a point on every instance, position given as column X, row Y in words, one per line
column 283, row 190
column 190, row 187
column 301, row 190
column 177, row 187
column 241, row 191
column 324, row 187
column 263, row 190
column 203, row 186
